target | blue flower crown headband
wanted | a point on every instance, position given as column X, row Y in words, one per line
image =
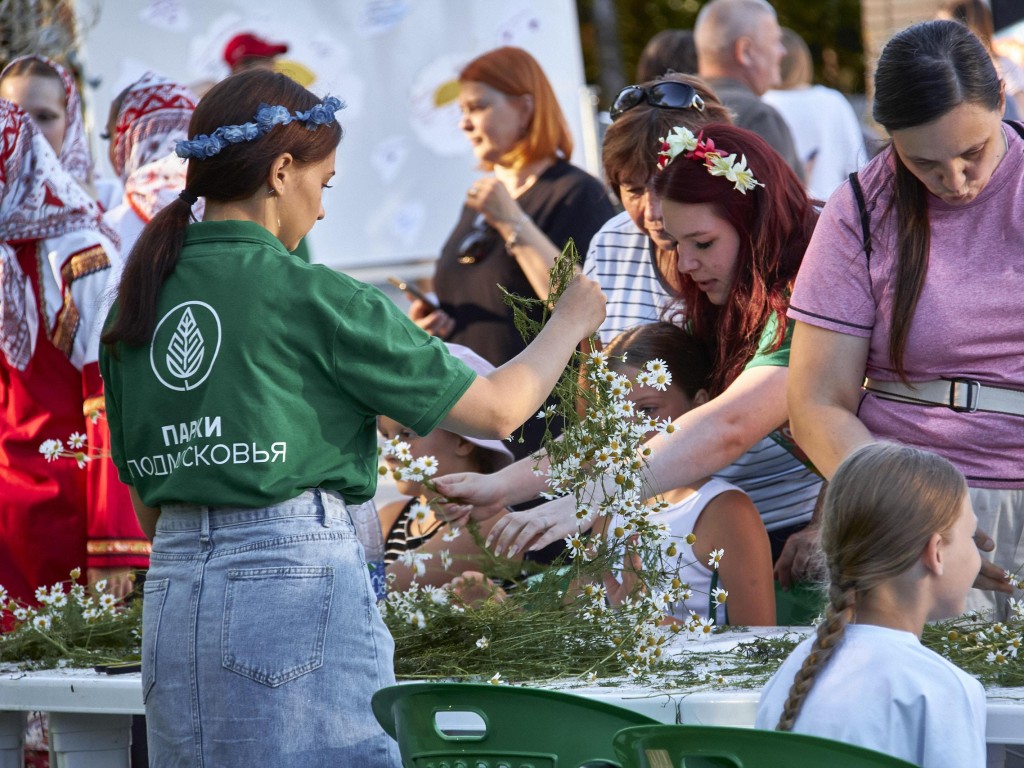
column 204, row 146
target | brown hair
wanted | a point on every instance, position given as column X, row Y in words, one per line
column 796, row 68
column 632, row 142
column 515, row 72
column 31, row 66
column 884, row 502
column 235, row 173
column 687, row 361
column 669, row 51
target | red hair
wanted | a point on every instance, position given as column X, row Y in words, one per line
column 774, row 224
column 514, row 72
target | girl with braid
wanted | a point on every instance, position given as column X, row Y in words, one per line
column 897, row 533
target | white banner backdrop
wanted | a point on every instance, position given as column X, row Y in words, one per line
column 403, row 166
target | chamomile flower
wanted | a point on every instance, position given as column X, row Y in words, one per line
column 417, row 619
column 76, row 440
column 42, row 622
column 51, row 449
column 445, row 558
column 101, row 585
column 577, row 547
column 719, row 595
column 107, row 602
column 416, row 561
column 496, row 679
column 451, row 534
column 715, row 558
column 482, row 643
column 420, row 511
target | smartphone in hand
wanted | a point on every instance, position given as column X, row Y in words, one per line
column 411, row 290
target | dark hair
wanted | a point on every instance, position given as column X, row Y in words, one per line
column 924, row 72
column 774, row 224
column 883, row 504
column 235, row 173
column 671, row 50
column 632, row 142
column 687, row 361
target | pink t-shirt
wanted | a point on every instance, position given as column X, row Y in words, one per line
column 969, row 320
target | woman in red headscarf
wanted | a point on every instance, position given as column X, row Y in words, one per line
column 57, row 263
column 48, row 94
column 146, row 120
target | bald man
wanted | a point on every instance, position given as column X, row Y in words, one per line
column 739, row 50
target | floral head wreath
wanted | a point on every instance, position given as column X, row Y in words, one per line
column 681, row 141
column 208, row 145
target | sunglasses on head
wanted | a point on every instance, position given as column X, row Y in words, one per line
column 666, row 95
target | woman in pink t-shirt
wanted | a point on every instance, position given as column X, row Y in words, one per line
column 905, row 304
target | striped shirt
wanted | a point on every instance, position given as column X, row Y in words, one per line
column 621, row 260
column 782, row 488
column 401, row 539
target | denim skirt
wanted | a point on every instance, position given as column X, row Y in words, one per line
column 261, row 639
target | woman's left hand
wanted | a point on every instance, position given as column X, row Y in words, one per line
column 534, row 529
column 991, row 575
column 491, row 198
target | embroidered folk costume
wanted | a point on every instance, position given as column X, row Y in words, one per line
column 57, row 264
column 152, row 119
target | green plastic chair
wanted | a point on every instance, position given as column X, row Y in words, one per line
column 499, row 726
column 705, row 746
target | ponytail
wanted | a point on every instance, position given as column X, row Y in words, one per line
column 883, row 504
column 842, row 601
column 910, row 207
column 150, row 262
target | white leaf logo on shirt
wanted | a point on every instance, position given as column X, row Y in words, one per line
column 185, row 345
column 185, row 352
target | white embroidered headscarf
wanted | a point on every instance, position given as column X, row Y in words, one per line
column 153, row 117
column 38, row 200
column 74, row 153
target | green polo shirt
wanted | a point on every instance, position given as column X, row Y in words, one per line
column 265, row 376
column 765, row 355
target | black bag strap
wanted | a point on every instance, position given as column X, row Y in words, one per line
column 865, row 221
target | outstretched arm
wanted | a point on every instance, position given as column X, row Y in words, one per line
column 705, row 440
column 496, row 404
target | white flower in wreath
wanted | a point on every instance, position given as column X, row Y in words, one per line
column 733, row 170
column 679, row 140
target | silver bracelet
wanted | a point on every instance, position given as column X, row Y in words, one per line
column 513, row 240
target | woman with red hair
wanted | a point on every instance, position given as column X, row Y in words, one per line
column 515, row 222
column 741, row 220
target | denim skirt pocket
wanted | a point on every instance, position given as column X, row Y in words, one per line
column 154, row 593
column 275, row 621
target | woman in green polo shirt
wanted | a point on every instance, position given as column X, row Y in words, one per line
column 243, row 387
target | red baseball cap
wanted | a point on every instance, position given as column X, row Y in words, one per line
column 248, row 46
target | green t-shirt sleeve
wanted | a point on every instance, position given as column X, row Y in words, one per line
column 389, row 366
column 113, row 412
column 765, row 355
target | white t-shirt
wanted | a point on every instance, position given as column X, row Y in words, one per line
column 885, row 691
column 681, row 518
column 826, row 133
column 621, row 260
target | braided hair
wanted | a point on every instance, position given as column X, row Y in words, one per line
column 883, row 504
